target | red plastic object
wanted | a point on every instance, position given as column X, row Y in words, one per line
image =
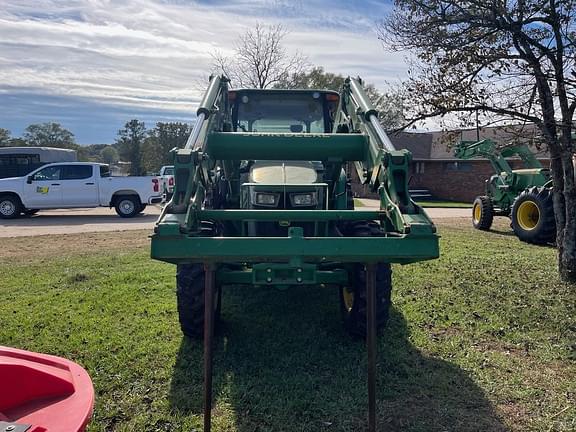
column 49, row 393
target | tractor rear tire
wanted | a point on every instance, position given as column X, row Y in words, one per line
column 533, row 216
column 190, row 299
column 353, row 299
column 482, row 213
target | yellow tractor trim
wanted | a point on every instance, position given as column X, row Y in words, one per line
column 348, row 297
column 477, row 213
column 528, row 215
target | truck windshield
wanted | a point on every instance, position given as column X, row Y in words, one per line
column 280, row 112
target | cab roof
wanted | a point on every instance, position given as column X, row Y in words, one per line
column 253, row 90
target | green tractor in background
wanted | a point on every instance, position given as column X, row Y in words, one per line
column 524, row 195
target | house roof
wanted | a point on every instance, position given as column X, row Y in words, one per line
column 438, row 145
column 419, row 144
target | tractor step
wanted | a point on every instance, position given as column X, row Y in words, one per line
column 421, row 194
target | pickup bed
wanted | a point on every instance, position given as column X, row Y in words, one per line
column 167, row 176
column 75, row 185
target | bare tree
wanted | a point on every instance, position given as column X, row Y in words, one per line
column 514, row 60
column 259, row 59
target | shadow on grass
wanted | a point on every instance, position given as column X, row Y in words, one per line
column 507, row 233
column 511, row 233
column 283, row 363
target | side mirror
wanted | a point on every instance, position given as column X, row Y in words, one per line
column 29, row 180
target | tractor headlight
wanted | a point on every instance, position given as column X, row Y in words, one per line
column 303, row 199
column 266, row 199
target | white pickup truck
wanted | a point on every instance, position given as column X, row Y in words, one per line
column 75, row 185
column 167, row 175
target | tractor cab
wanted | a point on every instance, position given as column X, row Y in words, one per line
column 283, row 111
column 283, row 184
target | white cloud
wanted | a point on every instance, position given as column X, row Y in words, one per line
column 149, row 54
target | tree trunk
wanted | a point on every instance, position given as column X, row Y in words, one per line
column 565, row 209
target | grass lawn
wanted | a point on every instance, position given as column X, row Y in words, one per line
column 482, row 339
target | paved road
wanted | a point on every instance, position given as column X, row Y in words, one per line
column 75, row 221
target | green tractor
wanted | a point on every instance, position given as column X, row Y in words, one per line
column 262, row 198
column 524, row 195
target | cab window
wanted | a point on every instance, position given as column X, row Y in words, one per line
column 76, row 172
column 273, row 112
column 104, row 171
column 50, row 173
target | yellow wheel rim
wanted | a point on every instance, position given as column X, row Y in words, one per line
column 348, row 298
column 528, row 215
column 477, row 213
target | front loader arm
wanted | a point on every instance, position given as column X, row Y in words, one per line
column 487, row 149
column 384, row 168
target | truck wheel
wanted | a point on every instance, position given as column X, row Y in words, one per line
column 190, row 298
column 353, row 299
column 127, row 206
column 482, row 213
column 533, row 216
column 10, row 207
column 142, row 208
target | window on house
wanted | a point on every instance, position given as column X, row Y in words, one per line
column 458, row 166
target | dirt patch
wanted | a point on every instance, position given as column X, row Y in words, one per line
column 72, row 244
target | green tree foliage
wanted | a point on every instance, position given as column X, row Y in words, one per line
column 160, row 140
column 92, row 152
column 49, row 135
column 5, row 139
column 151, row 155
column 511, row 61
column 390, row 104
column 109, row 155
column 17, row 142
column 130, row 143
column 315, row 78
column 167, row 136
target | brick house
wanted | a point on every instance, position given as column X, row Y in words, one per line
column 435, row 168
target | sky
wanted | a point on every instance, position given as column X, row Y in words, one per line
column 93, row 65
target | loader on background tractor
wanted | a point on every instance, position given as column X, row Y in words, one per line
column 262, row 197
column 524, row 195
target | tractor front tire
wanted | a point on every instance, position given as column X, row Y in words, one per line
column 482, row 213
column 190, row 299
column 353, row 298
column 533, row 216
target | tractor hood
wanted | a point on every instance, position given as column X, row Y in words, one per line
column 276, row 173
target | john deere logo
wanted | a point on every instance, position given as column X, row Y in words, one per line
column 42, row 189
